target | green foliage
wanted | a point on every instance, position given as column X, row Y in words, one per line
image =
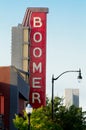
column 41, row 121
column 71, row 118
column 21, row 122
column 41, row 118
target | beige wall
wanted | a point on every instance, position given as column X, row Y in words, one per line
column 25, row 49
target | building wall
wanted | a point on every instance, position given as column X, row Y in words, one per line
column 14, row 93
column 76, row 97
column 1, row 104
column 72, row 97
column 20, row 48
column 17, row 43
column 19, row 91
column 26, row 49
column 21, row 105
column 5, row 92
column 13, row 98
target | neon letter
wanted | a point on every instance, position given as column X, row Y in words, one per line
column 37, row 22
column 36, row 82
column 37, row 67
column 36, row 96
column 35, row 37
column 36, row 53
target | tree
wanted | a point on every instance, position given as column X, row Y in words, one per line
column 64, row 118
column 21, row 121
column 41, row 120
column 69, row 118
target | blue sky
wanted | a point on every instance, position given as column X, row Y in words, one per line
column 66, row 39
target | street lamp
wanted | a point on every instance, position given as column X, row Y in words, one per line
column 29, row 112
column 79, row 77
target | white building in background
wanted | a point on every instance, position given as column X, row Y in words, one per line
column 71, row 97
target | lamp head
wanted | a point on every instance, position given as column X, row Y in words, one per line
column 79, row 76
column 28, row 109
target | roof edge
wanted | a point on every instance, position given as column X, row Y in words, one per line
column 38, row 9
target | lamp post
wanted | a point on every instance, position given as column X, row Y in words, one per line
column 79, row 77
column 29, row 112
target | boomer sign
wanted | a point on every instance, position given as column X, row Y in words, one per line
column 37, row 78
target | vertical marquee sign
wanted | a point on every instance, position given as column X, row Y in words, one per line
column 37, row 77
